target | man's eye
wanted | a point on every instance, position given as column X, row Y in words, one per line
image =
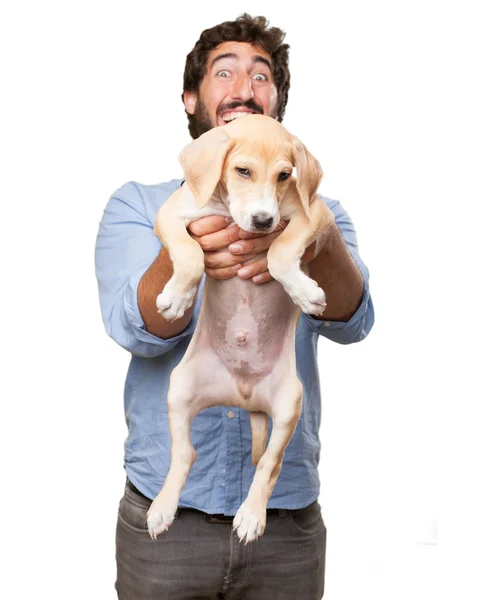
column 224, row 71
column 264, row 78
column 283, row 176
column 244, row 172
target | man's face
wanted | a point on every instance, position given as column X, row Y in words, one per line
column 238, row 79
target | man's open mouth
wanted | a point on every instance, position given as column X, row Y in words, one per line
column 232, row 115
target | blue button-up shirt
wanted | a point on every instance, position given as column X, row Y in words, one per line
column 222, row 474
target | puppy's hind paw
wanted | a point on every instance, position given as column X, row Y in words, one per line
column 249, row 523
column 159, row 519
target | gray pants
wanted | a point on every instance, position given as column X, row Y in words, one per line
column 200, row 560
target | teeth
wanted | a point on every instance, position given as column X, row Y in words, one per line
column 235, row 116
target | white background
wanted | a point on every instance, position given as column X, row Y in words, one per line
column 385, row 95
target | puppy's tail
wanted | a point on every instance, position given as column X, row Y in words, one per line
column 259, row 431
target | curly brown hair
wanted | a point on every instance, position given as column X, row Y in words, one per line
column 244, row 29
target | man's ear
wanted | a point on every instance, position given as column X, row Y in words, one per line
column 189, row 99
column 203, row 161
column 309, row 173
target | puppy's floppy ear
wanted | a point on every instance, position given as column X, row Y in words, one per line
column 309, row 173
column 203, row 161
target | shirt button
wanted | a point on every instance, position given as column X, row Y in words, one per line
column 230, row 414
column 327, row 323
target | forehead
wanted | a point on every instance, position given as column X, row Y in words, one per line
column 243, row 51
column 262, row 153
column 263, row 159
column 260, row 136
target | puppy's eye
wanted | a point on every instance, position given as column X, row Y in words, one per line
column 283, row 176
column 244, row 172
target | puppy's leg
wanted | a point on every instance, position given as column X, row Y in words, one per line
column 180, row 415
column 250, row 520
column 187, row 258
column 285, row 254
column 199, row 381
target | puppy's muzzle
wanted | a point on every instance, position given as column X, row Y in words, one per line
column 261, row 221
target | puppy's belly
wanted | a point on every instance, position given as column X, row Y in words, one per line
column 250, row 327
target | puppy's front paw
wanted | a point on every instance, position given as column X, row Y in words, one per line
column 160, row 516
column 249, row 522
column 309, row 297
column 172, row 304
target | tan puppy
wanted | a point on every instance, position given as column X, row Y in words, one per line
column 242, row 352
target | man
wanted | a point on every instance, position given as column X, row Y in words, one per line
column 236, row 66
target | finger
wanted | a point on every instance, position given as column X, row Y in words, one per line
column 256, row 267
column 225, row 273
column 218, row 240
column 207, row 225
column 253, row 246
column 262, row 278
column 223, row 258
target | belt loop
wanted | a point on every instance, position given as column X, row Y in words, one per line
column 282, row 512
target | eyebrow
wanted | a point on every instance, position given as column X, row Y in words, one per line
column 256, row 59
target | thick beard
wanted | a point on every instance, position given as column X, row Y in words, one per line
column 202, row 119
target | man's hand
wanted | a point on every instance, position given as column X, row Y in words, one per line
column 227, row 248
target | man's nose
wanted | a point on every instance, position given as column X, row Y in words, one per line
column 242, row 89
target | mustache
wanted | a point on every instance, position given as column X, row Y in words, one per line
column 249, row 104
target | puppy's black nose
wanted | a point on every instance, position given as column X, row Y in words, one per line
column 262, row 221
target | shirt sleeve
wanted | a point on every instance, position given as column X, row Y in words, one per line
column 126, row 246
column 360, row 324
